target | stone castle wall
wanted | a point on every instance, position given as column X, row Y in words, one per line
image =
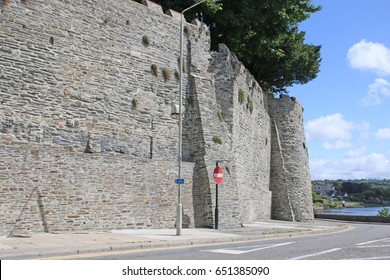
column 88, row 134
column 291, row 178
column 247, row 131
column 55, row 190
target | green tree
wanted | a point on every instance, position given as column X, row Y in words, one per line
column 336, row 185
column 384, row 212
column 265, row 37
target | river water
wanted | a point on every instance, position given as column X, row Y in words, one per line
column 367, row 211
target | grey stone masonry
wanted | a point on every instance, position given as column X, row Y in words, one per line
column 51, row 189
column 281, row 205
column 89, row 127
column 286, row 114
column 242, row 108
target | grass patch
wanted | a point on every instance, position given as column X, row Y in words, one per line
column 107, row 20
column 167, row 74
column 146, row 41
column 352, row 204
column 187, row 31
column 219, row 114
column 217, row 140
column 241, row 96
column 249, row 105
column 154, row 68
column 177, row 74
column 134, row 103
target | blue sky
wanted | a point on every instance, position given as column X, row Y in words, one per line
column 347, row 107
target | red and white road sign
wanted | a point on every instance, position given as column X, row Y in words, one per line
column 218, row 176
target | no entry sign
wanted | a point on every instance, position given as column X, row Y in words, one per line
column 218, row 176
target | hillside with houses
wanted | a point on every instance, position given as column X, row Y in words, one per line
column 365, row 191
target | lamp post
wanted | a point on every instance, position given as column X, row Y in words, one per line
column 179, row 210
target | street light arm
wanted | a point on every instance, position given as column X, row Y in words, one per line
column 185, row 10
column 196, row 4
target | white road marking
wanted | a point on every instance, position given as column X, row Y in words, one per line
column 372, row 258
column 374, row 246
column 316, row 254
column 373, row 241
column 239, row 252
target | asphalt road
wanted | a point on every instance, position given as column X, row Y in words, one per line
column 363, row 241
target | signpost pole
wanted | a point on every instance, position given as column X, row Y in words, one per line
column 218, row 177
column 216, row 206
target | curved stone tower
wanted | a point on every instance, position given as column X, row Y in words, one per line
column 290, row 174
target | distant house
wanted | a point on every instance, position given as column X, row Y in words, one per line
column 324, row 189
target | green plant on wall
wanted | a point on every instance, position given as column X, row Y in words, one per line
column 154, row 68
column 107, row 20
column 134, row 103
column 217, row 139
column 146, row 41
column 241, row 96
column 167, row 74
column 219, row 114
column 177, row 74
column 187, row 31
column 184, row 64
column 249, row 104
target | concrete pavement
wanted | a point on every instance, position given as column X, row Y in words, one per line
column 45, row 245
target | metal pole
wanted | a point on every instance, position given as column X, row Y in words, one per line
column 179, row 209
column 216, row 202
column 216, row 206
column 216, row 212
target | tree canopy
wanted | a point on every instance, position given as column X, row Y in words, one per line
column 264, row 35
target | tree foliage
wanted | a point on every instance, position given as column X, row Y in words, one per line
column 366, row 192
column 265, row 37
column 384, row 212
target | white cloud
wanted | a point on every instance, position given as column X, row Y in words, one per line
column 336, row 145
column 376, row 91
column 366, row 166
column 330, row 127
column 364, row 128
column 367, row 55
column 334, row 130
column 383, row 134
column 357, row 152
